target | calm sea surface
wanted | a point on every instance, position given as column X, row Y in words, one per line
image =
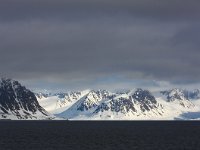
column 99, row 135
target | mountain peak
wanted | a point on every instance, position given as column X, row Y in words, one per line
column 17, row 101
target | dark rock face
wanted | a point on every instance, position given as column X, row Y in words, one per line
column 15, row 98
column 102, row 107
column 144, row 96
column 146, row 100
column 122, row 105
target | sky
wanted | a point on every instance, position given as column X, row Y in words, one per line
column 109, row 44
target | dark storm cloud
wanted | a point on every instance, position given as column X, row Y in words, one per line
column 79, row 41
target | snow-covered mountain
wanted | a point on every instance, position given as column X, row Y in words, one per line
column 17, row 102
column 130, row 105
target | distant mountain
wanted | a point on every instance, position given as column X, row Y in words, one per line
column 17, row 102
column 180, row 96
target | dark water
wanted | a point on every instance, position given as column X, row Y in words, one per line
column 99, row 135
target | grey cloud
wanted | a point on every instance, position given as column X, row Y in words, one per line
column 188, row 37
column 76, row 42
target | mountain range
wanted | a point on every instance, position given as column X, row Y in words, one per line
column 136, row 104
column 17, row 102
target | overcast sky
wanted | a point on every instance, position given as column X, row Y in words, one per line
column 111, row 44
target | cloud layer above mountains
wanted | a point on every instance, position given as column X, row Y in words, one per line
column 96, row 43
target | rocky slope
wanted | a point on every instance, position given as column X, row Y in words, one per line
column 17, row 102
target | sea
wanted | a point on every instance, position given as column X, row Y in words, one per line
column 99, row 135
